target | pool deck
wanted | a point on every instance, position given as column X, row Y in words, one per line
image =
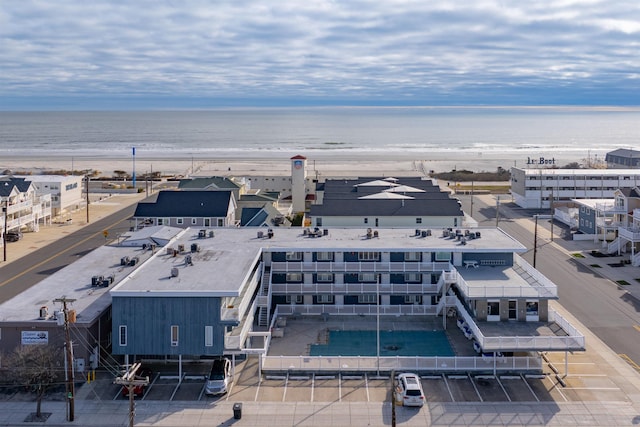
column 300, row 333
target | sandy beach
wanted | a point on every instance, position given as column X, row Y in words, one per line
column 317, row 164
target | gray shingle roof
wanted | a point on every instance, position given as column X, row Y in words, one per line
column 190, row 204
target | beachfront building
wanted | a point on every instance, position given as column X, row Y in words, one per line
column 622, row 158
column 66, row 191
column 196, row 208
column 536, row 188
column 22, row 207
column 384, row 202
column 255, row 208
column 229, row 293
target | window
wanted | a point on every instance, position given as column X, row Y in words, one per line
column 366, row 220
column 324, row 277
column 412, row 256
column 325, row 299
column 220, row 222
column 294, row 277
column 443, row 256
column 367, row 299
column 532, row 308
column 413, row 277
column 160, row 221
column 294, row 299
column 123, row 335
column 418, row 220
column 174, row 335
column 368, row 256
column 179, row 221
column 367, row 277
column 324, row 256
column 294, row 256
column 413, row 299
column 208, row 336
column 194, row 221
column 207, row 222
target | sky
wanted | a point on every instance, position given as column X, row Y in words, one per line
column 157, row 54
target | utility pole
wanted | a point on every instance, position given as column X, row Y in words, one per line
column 4, row 234
column 87, row 197
column 471, row 213
column 535, row 241
column 129, row 381
column 551, row 207
column 69, row 356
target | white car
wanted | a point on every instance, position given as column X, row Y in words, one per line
column 410, row 389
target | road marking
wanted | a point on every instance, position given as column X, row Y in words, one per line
column 473, row 383
column 503, row 389
column 17, row 276
column 530, row 389
column 630, row 361
column 448, row 388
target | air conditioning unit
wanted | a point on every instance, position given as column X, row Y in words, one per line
column 174, row 272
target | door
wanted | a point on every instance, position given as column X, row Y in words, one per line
column 513, row 309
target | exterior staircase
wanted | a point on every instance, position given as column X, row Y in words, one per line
column 263, row 307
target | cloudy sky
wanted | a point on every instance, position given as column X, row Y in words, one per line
column 69, row 54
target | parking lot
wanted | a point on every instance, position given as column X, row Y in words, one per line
column 586, row 382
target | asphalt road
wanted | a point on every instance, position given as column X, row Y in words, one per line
column 608, row 311
column 23, row 273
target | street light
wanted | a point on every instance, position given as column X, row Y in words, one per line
column 5, row 209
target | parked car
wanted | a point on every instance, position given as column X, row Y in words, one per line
column 219, row 378
column 138, row 390
column 410, row 389
column 13, row 236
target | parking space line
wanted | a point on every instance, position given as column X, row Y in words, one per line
column 558, row 388
column 473, row 383
column 313, row 385
column 175, row 390
column 255, row 399
column 366, row 385
column 286, row 383
column 205, row 386
column 530, row 389
column 444, row 377
column 503, row 389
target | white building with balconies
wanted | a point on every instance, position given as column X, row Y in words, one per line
column 22, row 207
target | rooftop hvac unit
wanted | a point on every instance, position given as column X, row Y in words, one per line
column 124, row 260
column 270, row 233
column 181, row 248
column 169, row 251
column 418, row 233
column 260, row 234
column 144, row 246
column 195, row 247
column 133, row 261
column 375, row 233
column 325, row 232
column 428, row 232
column 174, row 272
column 211, row 233
column 423, row 233
column 44, row 313
column 202, row 234
column 188, row 260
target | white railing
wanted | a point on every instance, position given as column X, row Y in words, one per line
column 545, row 287
column 237, row 307
column 351, row 310
column 17, row 207
column 635, row 261
column 629, row 233
column 359, row 267
column 574, row 340
column 398, row 363
column 235, row 339
column 614, row 246
column 353, row 288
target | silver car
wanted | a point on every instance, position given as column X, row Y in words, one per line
column 219, row 378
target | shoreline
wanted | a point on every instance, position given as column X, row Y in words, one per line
column 256, row 164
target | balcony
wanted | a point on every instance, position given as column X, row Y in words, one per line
column 629, row 233
column 353, row 288
column 358, row 267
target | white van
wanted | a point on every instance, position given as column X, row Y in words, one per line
column 219, row 378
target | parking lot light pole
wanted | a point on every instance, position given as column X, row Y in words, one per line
column 4, row 234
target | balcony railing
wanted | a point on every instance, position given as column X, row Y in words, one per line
column 358, row 267
column 351, row 310
column 629, row 233
column 574, row 340
column 353, row 288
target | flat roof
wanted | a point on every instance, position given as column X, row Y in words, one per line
column 74, row 282
column 591, row 172
column 223, row 263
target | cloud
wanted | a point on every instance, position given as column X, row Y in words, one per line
column 318, row 51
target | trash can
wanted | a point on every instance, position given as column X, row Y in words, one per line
column 237, row 411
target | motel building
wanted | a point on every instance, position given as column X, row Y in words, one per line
column 238, row 292
column 537, row 188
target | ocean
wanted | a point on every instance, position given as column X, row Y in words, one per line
column 323, row 132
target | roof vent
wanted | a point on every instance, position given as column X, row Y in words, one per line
column 44, row 313
column 174, row 272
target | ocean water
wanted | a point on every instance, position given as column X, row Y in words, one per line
column 321, row 132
